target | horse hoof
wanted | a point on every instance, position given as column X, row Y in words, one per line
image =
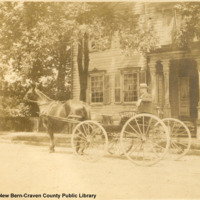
column 51, row 151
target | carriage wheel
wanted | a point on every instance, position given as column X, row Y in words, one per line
column 180, row 138
column 144, row 139
column 89, row 140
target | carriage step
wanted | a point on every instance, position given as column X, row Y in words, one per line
column 74, row 117
column 112, row 128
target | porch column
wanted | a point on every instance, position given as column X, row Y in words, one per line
column 75, row 74
column 167, row 107
column 198, row 107
column 152, row 66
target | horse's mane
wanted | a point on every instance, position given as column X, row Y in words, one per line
column 42, row 95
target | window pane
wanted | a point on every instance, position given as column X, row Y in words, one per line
column 130, row 87
column 117, row 95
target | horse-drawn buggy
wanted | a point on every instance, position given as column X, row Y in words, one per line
column 143, row 138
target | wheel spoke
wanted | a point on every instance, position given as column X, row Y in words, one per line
column 84, row 129
column 177, row 147
column 178, row 142
column 82, row 138
column 176, row 129
column 139, row 151
column 138, row 126
column 181, row 133
column 133, row 150
column 134, row 130
column 81, row 132
column 172, row 127
column 143, row 124
column 131, row 133
column 81, row 145
column 148, row 126
column 157, row 145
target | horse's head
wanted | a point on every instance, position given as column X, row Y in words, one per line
column 32, row 95
column 36, row 96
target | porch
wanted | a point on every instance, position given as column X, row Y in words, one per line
column 174, row 83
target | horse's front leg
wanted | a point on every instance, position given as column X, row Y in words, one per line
column 51, row 135
column 51, row 148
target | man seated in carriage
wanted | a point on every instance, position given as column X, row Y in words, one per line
column 144, row 103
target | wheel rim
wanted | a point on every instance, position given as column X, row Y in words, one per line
column 180, row 138
column 89, row 141
column 144, row 139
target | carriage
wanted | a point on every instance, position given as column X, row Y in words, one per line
column 144, row 138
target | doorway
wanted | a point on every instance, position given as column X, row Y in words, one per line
column 184, row 96
column 184, row 89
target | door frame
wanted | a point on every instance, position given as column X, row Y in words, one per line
column 179, row 100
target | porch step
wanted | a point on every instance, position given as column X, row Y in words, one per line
column 192, row 127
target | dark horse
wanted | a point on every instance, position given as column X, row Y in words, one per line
column 51, row 111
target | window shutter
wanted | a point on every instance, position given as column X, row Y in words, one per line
column 117, row 88
column 142, row 78
column 106, row 95
column 88, row 97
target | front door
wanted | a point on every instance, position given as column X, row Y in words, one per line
column 184, row 96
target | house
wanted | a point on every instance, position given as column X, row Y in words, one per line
column 171, row 74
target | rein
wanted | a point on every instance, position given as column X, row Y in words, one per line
column 50, row 105
column 37, row 102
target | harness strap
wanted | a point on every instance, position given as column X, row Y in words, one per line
column 37, row 102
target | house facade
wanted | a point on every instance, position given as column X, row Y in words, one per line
column 113, row 81
column 171, row 74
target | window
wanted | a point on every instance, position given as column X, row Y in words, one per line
column 97, row 89
column 126, row 86
column 130, row 87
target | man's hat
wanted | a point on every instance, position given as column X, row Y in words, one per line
column 143, row 85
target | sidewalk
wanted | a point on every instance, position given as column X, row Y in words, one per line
column 62, row 140
column 35, row 138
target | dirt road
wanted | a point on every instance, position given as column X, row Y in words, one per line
column 32, row 170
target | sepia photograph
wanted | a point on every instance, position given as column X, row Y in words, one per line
column 99, row 100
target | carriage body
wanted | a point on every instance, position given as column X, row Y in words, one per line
column 143, row 138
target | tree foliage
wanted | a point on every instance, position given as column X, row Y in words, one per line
column 36, row 46
column 36, row 40
column 189, row 28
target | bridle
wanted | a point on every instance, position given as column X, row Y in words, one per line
column 37, row 102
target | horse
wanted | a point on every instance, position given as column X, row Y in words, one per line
column 51, row 111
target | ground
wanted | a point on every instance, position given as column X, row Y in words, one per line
column 31, row 169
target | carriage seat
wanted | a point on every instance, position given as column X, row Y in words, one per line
column 107, row 119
